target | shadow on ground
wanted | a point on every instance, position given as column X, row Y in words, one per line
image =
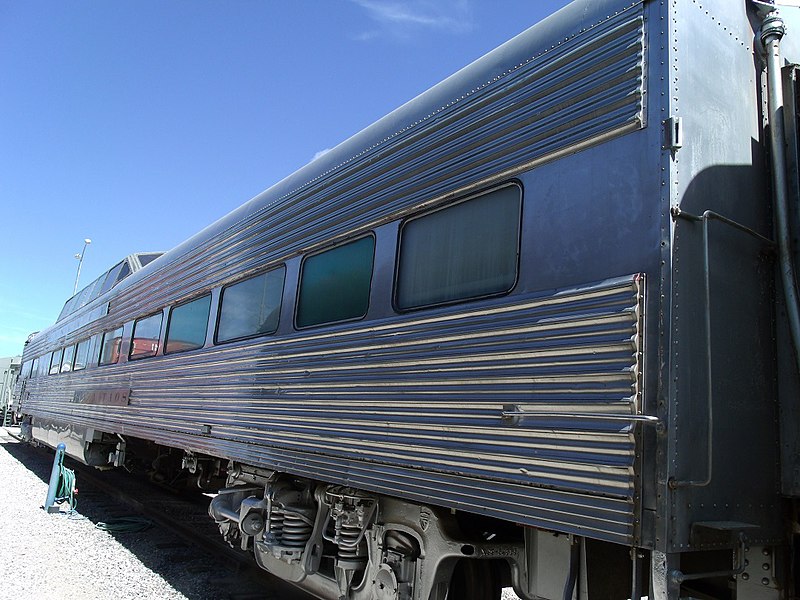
column 189, row 569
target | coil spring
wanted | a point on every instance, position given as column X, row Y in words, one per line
column 296, row 530
column 276, row 520
column 350, row 547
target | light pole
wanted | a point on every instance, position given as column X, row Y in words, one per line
column 86, row 242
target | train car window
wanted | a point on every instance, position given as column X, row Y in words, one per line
column 44, row 364
column 187, row 325
column 148, row 257
column 335, row 284
column 146, row 333
column 124, row 271
column 111, row 278
column 68, row 307
column 66, row 359
column 94, row 288
column 109, row 348
column 55, row 362
column 469, row 250
column 81, row 355
column 251, row 307
column 83, row 296
column 35, row 368
column 95, row 343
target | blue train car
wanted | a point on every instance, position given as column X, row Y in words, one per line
column 537, row 327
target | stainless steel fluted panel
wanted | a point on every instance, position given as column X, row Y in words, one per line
column 420, row 396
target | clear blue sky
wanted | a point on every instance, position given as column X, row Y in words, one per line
column 136, row 124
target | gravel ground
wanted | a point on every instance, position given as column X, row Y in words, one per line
column 57, row 556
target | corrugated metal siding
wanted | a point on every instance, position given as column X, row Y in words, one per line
column 411, row 406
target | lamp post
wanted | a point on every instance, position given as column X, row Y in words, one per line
column 86, row 242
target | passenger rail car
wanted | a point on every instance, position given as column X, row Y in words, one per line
column 537, row 327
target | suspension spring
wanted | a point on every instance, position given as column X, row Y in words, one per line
column 296, row 529
column 350, row 546
column 276, row 519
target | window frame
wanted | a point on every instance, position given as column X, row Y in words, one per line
column 111, row 278
column 60, row 353
column 172, row 308
column 395, row 287
column 159, row 347
column 71, row 363
column 369, row 234
column 216, row 339
column 88, row 342
column 44, row 365
column 99, row 351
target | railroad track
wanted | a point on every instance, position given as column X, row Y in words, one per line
column 183, row 536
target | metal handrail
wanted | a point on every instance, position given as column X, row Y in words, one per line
column 707, row 216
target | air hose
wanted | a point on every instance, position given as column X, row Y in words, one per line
column 62, row 483
column 66, row 486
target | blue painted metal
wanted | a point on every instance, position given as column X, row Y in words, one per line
column 55, row 476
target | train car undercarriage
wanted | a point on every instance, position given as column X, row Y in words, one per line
column 344, row 543
column 341, row 542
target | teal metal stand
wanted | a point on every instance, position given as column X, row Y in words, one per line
column 55, row 476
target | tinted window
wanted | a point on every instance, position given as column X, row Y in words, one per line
column 334, row 285
column 465, row 251
column 251, row 307
column 81, row 355
column 111, row 278
column 146, row 259
column 145, row 337
column 187, row 325
column 123, row 272
column 67, row 358
column 112, row 340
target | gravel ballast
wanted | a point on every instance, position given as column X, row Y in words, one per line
column 64, row 555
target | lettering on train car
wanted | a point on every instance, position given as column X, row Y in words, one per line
column 103, row 397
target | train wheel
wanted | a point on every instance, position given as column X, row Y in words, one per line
column 475, row 580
